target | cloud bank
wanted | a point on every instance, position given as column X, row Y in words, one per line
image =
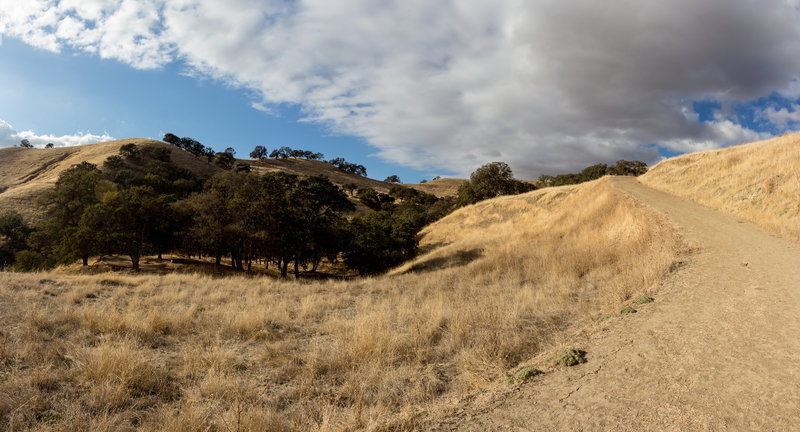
column 10, row 137
column 547, row 86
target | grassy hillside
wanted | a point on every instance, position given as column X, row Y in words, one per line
column 758, row 182
column 502, row 281
column 441, row 187
column 26, row 173
column 304, row 167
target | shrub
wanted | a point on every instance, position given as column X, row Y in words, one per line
column 224, row 160
column 27, row 261
column 523, row 374
column 627, row 310
column 569, row 357
column 130, row 151
column 643, row 299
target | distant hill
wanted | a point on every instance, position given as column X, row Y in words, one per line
column 26, row 172
column 305, row 167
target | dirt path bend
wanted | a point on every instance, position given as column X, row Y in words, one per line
column 719, row 349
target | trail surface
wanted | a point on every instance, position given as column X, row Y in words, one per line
column 719, row 349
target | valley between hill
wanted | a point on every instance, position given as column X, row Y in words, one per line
column 717, row 350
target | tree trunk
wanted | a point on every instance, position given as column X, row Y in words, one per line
column 159, row 255
column 284, row 269
column 218, row 258
column 296, row 268
column 85, row 260
column 135, row 262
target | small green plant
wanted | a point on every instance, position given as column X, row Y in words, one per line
column 523, row 375
column 48, row 416
column 569, row 357
column 603, row 317
column 627, row 310
column 643, row 299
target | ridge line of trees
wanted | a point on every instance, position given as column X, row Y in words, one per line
column 621, row 167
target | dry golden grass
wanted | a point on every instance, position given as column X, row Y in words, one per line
column 304, row 167
column 441, row 187
column 758, row 182
column 503, row 281
column 26, row 173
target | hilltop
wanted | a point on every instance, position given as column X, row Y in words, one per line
column 26, row 172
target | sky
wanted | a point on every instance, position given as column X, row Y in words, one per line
column 408, row 87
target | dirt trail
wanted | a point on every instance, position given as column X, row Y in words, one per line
column 719, row 349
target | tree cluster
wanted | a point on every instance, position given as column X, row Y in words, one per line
column 288, row 152
column 261, row 152
column 489, row 181
column 348, row 167
column 387, row 236
column 594, row 172
column 14, row 235
column 138, row 203
column 191, row 145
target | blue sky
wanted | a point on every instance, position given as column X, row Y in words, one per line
column 412, row 87
column 61, row 93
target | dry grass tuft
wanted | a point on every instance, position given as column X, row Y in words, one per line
column 193, row 353
column 758, row 182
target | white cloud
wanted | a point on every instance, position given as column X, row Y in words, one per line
column 10, row 137
column 547, row 86
column 783, row 118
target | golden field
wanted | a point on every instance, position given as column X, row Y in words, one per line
column 500, row 282
column 757, row 182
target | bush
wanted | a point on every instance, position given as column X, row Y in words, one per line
column 523, row 374
column 130, row 151
column 224, row 160
column 643, row 299
column 372, row 199
column 569, row 357
column 114, row 163
column 28, row 261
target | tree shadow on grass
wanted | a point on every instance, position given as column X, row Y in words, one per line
column 456, row 259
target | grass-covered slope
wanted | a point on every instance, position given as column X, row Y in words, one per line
column 758, row 182
column 501, row 282
column 26, row 172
